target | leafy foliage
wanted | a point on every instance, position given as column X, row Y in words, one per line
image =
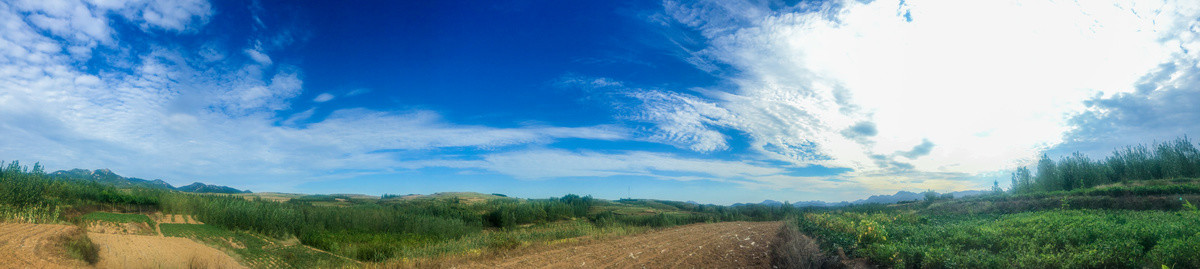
column 1167, row 160
column 1061, row 238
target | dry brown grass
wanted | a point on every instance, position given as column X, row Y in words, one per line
column 77, row 245
column 791, row 249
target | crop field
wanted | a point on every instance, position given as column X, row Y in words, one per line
column 1134, row 210
column 32, row 246
column 1052, row 238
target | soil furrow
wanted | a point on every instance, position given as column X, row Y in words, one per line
column 711, row 245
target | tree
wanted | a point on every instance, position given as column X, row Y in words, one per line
column 1022, row 180
column 1047, row 175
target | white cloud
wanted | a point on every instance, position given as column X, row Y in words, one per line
column 682, row 120
column 185, row 118
column 358, row 91
column 323, row 97
column 257, row 55
column 988, row 83
column 541, row 164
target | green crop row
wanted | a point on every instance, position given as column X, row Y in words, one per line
column 1043, row 239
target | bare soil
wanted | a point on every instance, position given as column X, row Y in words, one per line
column 141, row 251
column 173, row 218
column 712, row 245
column 120, row 228
column 34, row 246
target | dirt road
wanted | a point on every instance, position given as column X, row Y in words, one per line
column 143, row 251
column 33, row 246
column 712, row 245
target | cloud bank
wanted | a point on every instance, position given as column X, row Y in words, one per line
column 941, row 89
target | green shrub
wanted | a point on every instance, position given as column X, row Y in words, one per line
column 1058, row 238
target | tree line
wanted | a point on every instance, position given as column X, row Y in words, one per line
column 1177, row 158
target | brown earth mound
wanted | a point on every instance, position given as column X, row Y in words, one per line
column 119, row 228
column 34, row 246
column 712, row 245
column 139, row 251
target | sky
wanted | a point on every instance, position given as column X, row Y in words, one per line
column 710, row 101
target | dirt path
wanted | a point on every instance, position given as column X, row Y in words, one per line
column 33, row 246
column 713, row 245
column 142, row 251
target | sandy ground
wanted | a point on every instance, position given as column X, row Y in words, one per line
column 142, row 251
column 120, row 228
column 33, row 246
column 712, row 245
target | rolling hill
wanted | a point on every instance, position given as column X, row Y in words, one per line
column 105, row 176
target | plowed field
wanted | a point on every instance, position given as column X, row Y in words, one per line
column 33, row 246
column 712, row 245
column 142, row 251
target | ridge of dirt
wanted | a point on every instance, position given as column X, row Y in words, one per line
column 25, row 245
column 119, row 228
column 710, row 245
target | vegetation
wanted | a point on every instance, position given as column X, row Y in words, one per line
column 256, row 250
column 383, row 229
column 1167, row 160
column 79, row 246
column 1057, row 238
column 357, row 227
column 1132, row 209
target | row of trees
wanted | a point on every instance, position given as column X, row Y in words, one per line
column 1178, row 158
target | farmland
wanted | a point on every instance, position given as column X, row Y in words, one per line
column 1075, row 213
column 285, row 231
column 1133, row 209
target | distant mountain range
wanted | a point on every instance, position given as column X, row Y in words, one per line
column 901, row 196
column 105, row 176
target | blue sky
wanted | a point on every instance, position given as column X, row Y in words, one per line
column 710, row 101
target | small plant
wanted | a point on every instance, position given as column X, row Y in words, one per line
column 505, row 241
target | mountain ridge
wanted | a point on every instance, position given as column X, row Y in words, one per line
column 106, row 176
column 900, row 196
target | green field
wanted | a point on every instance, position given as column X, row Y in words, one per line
column 1041, row 239
column 255, row 250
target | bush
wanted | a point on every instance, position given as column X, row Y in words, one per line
column 79, row 246
column 791, row 249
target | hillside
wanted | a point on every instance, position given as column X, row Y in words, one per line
column 107, row 177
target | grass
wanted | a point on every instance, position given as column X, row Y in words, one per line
column 256, row 250
column 39, row 214
column 378, row 247
column 79, row 246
